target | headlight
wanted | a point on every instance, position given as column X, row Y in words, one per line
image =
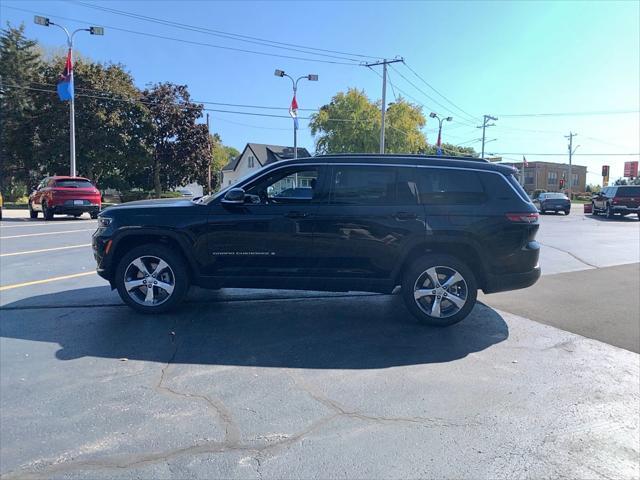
column 104, row 221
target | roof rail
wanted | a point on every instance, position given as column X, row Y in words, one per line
column 405, row 155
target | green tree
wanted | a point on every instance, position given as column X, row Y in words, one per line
column 19, row 64
column 110, row 136
column 351, row 123
column 179, row 146
column 222, row 154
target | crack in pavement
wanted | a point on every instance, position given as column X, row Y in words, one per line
column 570, row 254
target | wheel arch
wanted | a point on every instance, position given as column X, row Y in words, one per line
column 464, row 251
column 129, row 240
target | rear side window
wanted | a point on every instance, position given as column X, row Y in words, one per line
column 628, row 192
column 73, row 183
column 364, row 185
column 497, row 188
column 516, row 185
column 449, row 187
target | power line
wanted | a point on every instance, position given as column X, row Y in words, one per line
column 192, row 42
column 219, row 33
column 472, row 117
column 570, row 114
column 424, row 93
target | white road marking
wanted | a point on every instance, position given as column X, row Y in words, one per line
column 44, row 250
column 48, row 233
column 45, row 280
column 50, row 224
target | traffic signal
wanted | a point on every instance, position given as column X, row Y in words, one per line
column 605, row 170
column 562, row 183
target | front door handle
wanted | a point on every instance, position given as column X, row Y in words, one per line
column 296, row 214
column 405, row 216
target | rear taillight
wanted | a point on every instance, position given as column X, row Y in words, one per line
column 615, row 200
column 523, row 217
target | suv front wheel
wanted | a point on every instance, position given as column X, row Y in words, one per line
column 439, row 290
column 152, row 279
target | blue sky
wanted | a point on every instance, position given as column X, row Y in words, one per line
column 498, row 58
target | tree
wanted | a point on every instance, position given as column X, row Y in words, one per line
column 19, row 64
column 110, row 117
column 403, row 130
column 222, row 154
column 179, row 146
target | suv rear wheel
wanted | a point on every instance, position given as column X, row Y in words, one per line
column 439, row 290
column 610, row 213
column 151, row 278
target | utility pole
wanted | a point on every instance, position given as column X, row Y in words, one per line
column 571, row 152
column 210, row 157
column 383, row 110
column 45, row 22
column 485, row 124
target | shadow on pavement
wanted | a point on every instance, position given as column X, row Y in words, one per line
column 296, row 331
column 632, row 217
column 26, row 220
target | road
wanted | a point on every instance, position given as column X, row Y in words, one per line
column 268, row 384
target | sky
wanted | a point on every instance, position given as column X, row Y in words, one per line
column 504, row 59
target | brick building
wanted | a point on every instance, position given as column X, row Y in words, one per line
column 547, row 175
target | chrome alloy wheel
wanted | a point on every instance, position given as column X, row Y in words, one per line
column 440, row 292
column 149, row 280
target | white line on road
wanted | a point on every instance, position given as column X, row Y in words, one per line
column 45, row 280
column 44, row 250
column 48, row 233
column 50, row 224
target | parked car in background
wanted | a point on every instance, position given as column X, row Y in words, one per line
column 441, row 228
column 185, row 192
column 553, row 202
column 619, row 199
column 65, row 196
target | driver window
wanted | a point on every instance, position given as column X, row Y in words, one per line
column 285, row 186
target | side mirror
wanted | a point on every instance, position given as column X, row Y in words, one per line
column 235, row 196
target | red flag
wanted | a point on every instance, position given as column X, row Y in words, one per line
column 294, row 104
column 439, row 140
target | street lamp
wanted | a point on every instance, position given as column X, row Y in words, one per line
column 440, row 120
column 294, row 104
column 45, row 22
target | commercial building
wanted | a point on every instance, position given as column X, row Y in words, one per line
column 547, row 176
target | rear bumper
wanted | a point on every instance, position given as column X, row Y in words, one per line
column 74, row 209
column 511, row 281
column 624, row 209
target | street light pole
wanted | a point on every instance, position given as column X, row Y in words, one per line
column 45, row 22
column 571, row 152
column 440, row 120
column 294, row 82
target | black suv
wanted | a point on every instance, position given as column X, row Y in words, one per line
column 440, row 228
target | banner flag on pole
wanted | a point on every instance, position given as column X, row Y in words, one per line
column 65, row 81
column 439, row 144
column 293, row 111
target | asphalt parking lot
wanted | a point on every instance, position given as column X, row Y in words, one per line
column 261, row 384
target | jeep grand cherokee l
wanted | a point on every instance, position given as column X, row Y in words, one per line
column 441, row 228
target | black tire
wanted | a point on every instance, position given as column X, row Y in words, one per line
column 177, row 266
column 566, row 212
column 32, row 212
column 47, row 213
column 593, row 209
column 94, row 215
column 415, row 274
column 609, row 211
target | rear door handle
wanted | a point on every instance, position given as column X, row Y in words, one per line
column 405, row 216
column 296, row 214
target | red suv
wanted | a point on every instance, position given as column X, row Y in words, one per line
column 65, row 195
column 622, row 199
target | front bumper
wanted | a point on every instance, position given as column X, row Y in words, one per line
column 511, row 281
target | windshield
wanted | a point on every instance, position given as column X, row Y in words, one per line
column 73, row 183
column 633, row 191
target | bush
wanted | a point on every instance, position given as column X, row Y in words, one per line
column 133, row 195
